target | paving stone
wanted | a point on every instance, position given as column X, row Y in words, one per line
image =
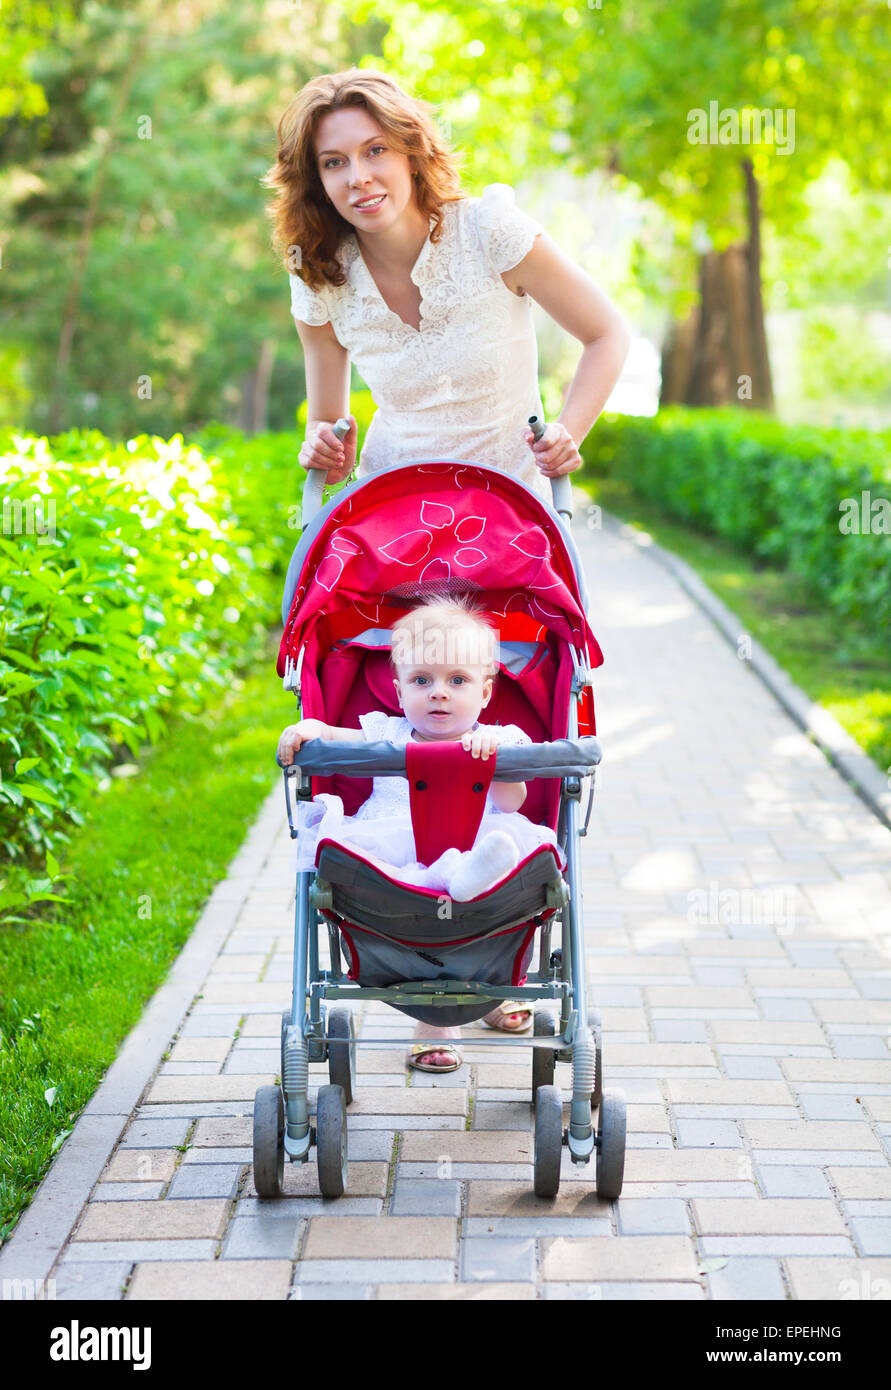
column 460, row 1292
column 735, row 1112
column 613, row 1258
column 767, row 1216
column 190, row 1219
column 772, row 1034
column 536, row 1226
column 502, row 1259
column 751, row 1280
column 221, row 1133
column 96, row 1282
column 750, row 1068
column 231, row 1155
column 207, row 1049
column 399, row 1237
column 468, row 1146
column 785, row 1009
column 327, row 1292
column 845, row 1046
column 831, row 1107
column 509, row 1199
column 193, row 1280
column 263, row 1238
column 381, row 1271
column 652, row 1217
column 284, row 1208
column 302, row 1180
column 426, row 1197
column 249, row 1061
column 430, row 1123
column 207, row 1088
column 868, row 1183
column 141, row 1166
column 210, row 1025
column 640, row 1291
column 205, row 1180
column 106, row 1251
column 406, row 1100
column 822, row 1158
column 872, row 1234
column 503, row 1115
column 837, row 1280
column 189, row 1069
column 682, row 1165
column 704, row 1134
column 127, row 1191
column 696, row 1092
column 789, row 1181
column 859, row 1071
column 155, row 1134
column 774, row 1246
column 809, row 1134
column 444, row 1169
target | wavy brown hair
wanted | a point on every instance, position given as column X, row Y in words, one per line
column 303, row 220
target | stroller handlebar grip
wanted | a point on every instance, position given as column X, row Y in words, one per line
column 314, row 486
column 561, row 488
column 518, row 763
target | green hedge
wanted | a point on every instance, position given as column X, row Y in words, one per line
column 135, row 579
column 776, row 491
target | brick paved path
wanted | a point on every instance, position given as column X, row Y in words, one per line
column 738, row 914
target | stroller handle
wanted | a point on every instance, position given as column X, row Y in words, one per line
column 314, row 486
column 565, row 757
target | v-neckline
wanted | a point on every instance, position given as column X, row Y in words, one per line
column 419, row 260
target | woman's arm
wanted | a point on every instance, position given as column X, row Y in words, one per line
column 573, row 300
column 327, row 367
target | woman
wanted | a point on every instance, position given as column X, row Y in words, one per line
column 429, row 291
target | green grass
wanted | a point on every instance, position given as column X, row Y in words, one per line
column 839, row 663
column 155, row 846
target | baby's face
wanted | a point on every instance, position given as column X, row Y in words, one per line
column 442, row 701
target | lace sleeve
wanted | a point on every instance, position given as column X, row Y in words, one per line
column 506, row 233
column 511, row 735
column 307, row 305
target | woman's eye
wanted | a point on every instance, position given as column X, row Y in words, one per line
column 377, row 147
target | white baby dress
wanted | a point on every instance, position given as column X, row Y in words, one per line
column 381, row 828
column 463, row 385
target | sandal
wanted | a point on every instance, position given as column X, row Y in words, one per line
column 418, row 1050
column 504, row 1009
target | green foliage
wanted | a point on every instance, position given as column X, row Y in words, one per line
column 776, row 491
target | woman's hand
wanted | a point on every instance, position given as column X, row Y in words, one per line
column 322, row 449
column 294, row 737
column 556, row 452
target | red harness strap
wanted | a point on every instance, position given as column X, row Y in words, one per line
column 447, row 791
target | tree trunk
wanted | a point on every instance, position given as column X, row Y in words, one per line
column 718, row 355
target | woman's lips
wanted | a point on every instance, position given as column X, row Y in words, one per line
column 373, row 208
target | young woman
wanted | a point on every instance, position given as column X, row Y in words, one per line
column 428, row 290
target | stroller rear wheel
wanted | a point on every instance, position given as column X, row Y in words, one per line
column 611, row 1150
column 342, row 1053
column 544, row 1059
column 331, row 1140
column 269, row 1141
column 548, row 1140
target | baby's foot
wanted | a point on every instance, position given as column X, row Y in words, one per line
column 490, row 860
column 434, row 1058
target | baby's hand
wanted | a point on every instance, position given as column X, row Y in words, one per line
column 294, row 737
column 479, row 743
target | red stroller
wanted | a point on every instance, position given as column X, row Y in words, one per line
column 379, row 547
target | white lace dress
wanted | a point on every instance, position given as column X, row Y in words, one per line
column 381, row 828
column 464, row 384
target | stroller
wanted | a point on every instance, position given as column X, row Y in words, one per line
column 376, row 549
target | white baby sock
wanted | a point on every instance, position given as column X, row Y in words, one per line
column 489, row 860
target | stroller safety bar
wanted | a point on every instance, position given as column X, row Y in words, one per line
column 563, row 757
column 314, row 486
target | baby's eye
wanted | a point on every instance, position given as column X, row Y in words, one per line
column 420, row 680
column 459, row 680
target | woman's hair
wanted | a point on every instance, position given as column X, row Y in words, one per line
column 451, row 630
column 307, row 229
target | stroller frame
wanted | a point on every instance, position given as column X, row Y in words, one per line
column 311, row 1032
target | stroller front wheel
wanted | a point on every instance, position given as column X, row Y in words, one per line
column 548, row 1140
column 331, row 1140
column 269, row 1141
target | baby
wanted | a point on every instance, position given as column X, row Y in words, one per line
column 443, row 654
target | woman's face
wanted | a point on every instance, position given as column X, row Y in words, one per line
column 358, row 166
